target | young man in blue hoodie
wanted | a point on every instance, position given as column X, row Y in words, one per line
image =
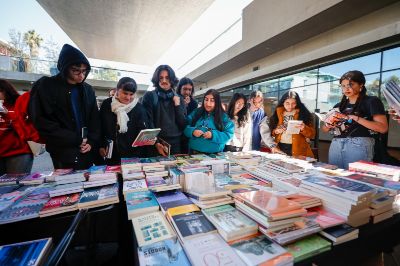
column 64, row 111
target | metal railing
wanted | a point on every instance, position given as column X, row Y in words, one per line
column 46, row 67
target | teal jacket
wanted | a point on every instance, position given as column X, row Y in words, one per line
column 219, row 138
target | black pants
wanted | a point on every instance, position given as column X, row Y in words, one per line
column 286, row 148
column 83, row 162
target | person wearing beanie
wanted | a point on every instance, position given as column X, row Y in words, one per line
column 64, row 111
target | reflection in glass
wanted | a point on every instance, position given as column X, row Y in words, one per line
column 391, row 59
column 386, row 77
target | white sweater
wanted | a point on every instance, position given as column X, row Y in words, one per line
column 242, row 136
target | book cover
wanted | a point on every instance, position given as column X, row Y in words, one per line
column 26, row 253
column 230, row 220
column 91, row 195
column 7, row 199
column 308, row 247
column 34, row 178
column 171, row 198
column 140, row 200
column 61, row 201
column 211, row 249
column 113, row 169
column 340, row 230
column 255, row 250
column 151, row 228
column 267, row 202
column 146, row 137
column 11, row 179
column 192, row 223
column 324, row 218
column 155, row 181
column 135, row 185
column 166, row 252
column 375, row 181
column 97, row 169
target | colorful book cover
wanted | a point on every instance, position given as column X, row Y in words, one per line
column 267, row 202
column 308, row 247
column 25, row 253
column 99, row 193
column 211, row 249
column 8, row 189
column 324, row 218
column 146, row 137
column 340, row 230
column 339, row 186
column 151, row 228
column 172, row 198
column 255, row 250
column 36, row 178
column 7, row 199
column 192, row 223
column 135, row 185
column 97, row 169
column 375, row 181
column 113, row 169
column 229, row 219
column 167, row 252
column 140, row 200
column 155, row 181
column 61, row 201
column 11, row 179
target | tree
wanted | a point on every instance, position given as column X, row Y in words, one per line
column 17, row 42
column 52, row 49
column 33, row 40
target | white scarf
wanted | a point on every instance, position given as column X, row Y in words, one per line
column 122, row 110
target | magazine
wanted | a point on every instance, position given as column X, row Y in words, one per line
column 146, row 137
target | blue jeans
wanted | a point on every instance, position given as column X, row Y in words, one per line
column 348, row 150
column 18, row 164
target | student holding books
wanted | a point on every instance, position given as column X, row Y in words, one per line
column 209, row 128
column 353, row 140
column 290, row 108
column 122, row 118
column 240, row 116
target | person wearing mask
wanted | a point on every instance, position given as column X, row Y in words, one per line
column 186, row 90
column 166, row 109
column 256, row 108
column 64, row 111
column 353, row 140
column 289, row 108
column 15, row 155
column 122, row 118
column 240, row 116
column 209, row 128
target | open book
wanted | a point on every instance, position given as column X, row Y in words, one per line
column 146, row 137
column 333, row 117
column 392, row 95
column 293, row 126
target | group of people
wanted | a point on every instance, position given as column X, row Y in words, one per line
column 63, row 109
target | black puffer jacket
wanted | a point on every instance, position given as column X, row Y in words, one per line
column 52, row 114
column 122, row 141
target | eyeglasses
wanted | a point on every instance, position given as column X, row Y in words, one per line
column 77, row 71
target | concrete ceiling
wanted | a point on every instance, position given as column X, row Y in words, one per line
column 132, row 31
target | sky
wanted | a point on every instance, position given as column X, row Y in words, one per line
column 24, row 15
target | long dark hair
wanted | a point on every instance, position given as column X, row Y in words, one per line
column 356, row 76
column 182, row 82
column 10, row 93
column 171, row 74
column 304, row 114
column 242, row 114
column 218, row 111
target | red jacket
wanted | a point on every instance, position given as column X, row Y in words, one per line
column 11, row 143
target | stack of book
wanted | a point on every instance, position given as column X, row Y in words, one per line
column 65, row 189
column 35, row 178
column 32, row 252
column 382, row 208
column 324, row 218
column 99, row 196
column 162, row 182
column 170, row 199
column 230, row 223
column 207, row 197
column 344, row 197
column 305, row 201
column 140, row 202
column 340, row 233
column 131, row 168
column 259, row 250
column 11, row 179
column 386, row 171
column 100, row 179
column 60, row 204
column 284, row 167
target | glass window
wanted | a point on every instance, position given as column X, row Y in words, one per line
column 391, row 59
column 386, row 77
column 226, row 96
column 299, row 79
column 366, row 64
column 372, row 84
column 267, row 86
column 329, row 94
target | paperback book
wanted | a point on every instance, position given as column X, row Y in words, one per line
column 30, row 253
column 146, row 137
column 140, row 202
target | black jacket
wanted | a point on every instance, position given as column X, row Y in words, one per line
column 162, row 113
column 122, row 141
column 52, row 114
column 191, row 106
